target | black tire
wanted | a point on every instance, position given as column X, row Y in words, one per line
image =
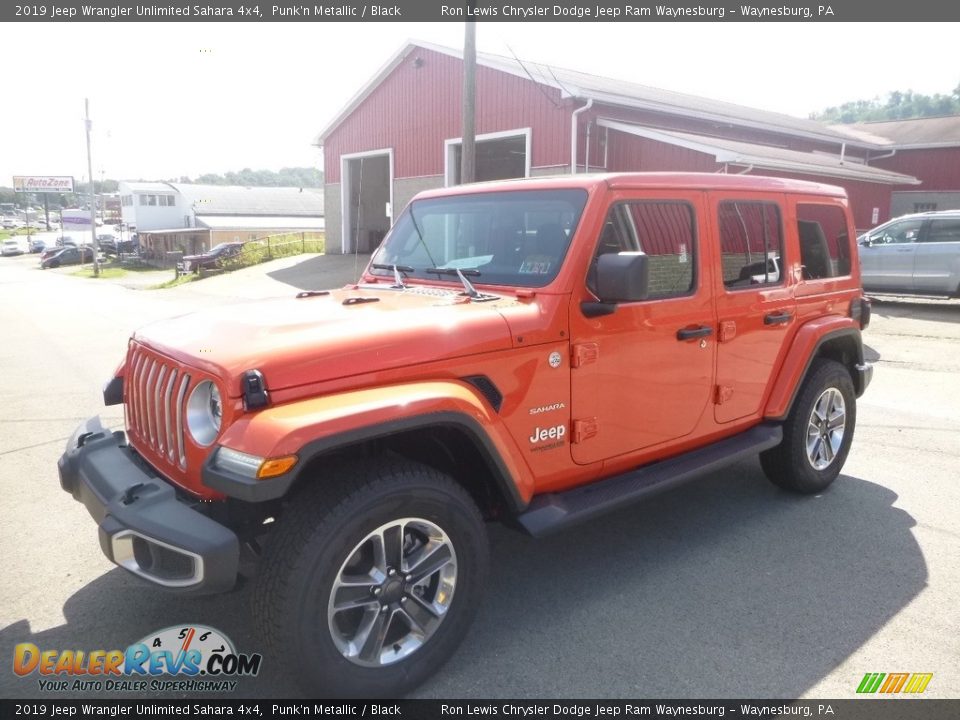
column 790, row 465
column 320, row 531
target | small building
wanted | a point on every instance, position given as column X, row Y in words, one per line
column 188, row 218
column 400, row 134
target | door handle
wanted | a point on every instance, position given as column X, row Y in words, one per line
column 776, row 318
column 690, row 333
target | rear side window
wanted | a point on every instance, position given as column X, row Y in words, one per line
column 824, row 241
column 662, row 230
column 751, row 244
column 946, row 230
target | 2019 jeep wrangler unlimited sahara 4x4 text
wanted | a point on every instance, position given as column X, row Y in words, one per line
column 535, row 352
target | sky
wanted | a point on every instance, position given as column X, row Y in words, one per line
column 174, row 99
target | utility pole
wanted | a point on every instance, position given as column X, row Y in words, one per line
column 468, row 149
column 93, row 198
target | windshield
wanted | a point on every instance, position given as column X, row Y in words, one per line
column 514, row 238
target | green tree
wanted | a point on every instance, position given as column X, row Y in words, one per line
column 899, row 105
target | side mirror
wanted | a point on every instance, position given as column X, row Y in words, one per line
column 623, row 277
column 866, row 242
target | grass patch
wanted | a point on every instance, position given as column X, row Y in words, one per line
column 181, row 280
column 274, row 247
column 106, row 273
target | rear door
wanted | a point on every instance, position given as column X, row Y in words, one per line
column 887, row 260
column 936, row 267
column 756, row 308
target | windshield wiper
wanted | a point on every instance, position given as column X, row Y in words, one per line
column 472, row 272
column 468, row 289
column 384, row 266
column 397, row 269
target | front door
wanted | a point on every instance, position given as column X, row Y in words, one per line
column 756, row 308
column 887, row 259
column 641, row 376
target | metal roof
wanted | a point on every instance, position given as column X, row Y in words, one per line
column 236, row 200
column 915, row 133
column 572, row 83
column 765, row 157
column 259, row 222
column 138, row 186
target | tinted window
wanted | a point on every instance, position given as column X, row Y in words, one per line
column 751, row 244
column 664, row 231
column 824, row 241
column 906, row 231
column 507, row 238
column 946, row 230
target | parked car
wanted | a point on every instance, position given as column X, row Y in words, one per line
column 49, row 252
column 38, row 245
column 14, row 246
column 114, row 246
column 915, row 254
column 10, row 223
column 213, row 257
column 68, row 256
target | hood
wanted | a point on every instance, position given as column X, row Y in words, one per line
column 296, row 341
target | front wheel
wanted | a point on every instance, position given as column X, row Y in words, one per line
column 372, row 579
column 817, row 433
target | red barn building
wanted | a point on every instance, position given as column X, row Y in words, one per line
column 401, row 134
column 926, row 148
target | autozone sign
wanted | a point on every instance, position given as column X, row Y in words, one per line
column 43, row 183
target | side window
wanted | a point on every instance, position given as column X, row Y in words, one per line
column 824, row 241
column 664, row 231
column 907, row 231
column 751, row 244
column 946, row 230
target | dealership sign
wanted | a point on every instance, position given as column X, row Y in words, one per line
column 43, row 183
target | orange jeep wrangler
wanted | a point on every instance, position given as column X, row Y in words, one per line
column 535, row 352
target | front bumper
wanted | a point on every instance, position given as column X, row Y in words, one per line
column 144, row 526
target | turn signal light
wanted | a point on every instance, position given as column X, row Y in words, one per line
column 272, row 467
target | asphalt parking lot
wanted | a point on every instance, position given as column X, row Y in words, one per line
column 726, row 587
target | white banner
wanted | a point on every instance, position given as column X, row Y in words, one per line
column 43, row 183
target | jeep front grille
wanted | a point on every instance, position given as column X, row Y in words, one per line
column 156, row 395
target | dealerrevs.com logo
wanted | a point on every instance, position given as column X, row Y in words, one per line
column 184, row 658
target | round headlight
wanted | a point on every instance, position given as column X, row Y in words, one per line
column 204, row 413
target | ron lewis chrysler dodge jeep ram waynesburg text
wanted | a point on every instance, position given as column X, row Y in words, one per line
column 535, row 352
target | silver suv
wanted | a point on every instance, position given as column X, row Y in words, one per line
column 913, row 254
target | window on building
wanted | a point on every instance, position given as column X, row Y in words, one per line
column 662, row 230
column 499, row 156
column 824, row 241
column 924, row 207
column 751, row 244
column 143, row 199
column 167, row 200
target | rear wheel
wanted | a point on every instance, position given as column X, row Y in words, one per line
column 818, row 432
column 372, row 579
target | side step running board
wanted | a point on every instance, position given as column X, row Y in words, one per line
column 550, row 512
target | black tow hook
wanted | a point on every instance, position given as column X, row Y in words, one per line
column 128, row 496
column 82, row 440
